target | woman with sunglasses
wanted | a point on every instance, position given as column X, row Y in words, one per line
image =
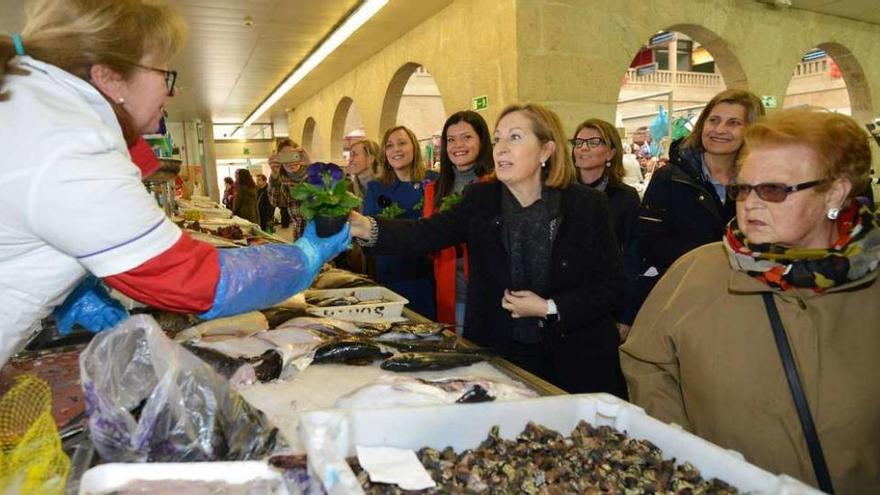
column 703, row 351
column 597, row 154
column 684, row 205
column 78, row 85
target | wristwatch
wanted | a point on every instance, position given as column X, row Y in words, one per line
column 552, row 312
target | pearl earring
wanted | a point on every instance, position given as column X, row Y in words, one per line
column 121, row 100
column 833, row 213
column 608, row 164
column 543, row 164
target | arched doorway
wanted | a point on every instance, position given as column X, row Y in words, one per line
column 414, row 100
column 829, row 76
column 680, row 68
column 311, row 139
column 347, row 128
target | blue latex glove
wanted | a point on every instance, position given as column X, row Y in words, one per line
column 89, row 306
column 258, row 277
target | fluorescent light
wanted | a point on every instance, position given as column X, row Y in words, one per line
column 357, row 19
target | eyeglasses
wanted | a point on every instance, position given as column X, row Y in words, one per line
column 170, row 76
column 774, row 192
column 591, row 143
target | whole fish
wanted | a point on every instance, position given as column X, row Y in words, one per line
column 236, row 326
column 430, row 361
column 241, row 371
column 346, row 351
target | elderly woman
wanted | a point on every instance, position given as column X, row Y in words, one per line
column 544, row 269
column 796, row 270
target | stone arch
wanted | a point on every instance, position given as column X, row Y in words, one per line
column 857, row 86
column 640, row 96
column 725, row 59
column 308, row 137
column 391, row 103
column 346, row 127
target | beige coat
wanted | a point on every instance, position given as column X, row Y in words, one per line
column 701, row 354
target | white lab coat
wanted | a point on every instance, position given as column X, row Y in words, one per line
column 71, row 200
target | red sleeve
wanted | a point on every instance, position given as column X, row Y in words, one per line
column 182, row 279
column 142, row 156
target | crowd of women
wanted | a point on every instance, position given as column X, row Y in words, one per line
column 743, row 284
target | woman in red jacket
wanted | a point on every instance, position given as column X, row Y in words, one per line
column 466, row 157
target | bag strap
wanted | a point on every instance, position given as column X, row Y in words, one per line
column 797, row 393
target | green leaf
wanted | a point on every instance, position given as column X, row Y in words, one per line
column 449, row 201
column 391, row 211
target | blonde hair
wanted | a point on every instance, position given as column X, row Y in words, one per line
column 416, row 168
column 840, row 144
column 559, row 171
column 752, row 104
column 612, row 139
column 75, row 35
column 371, row 149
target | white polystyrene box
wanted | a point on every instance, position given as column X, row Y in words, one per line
column 331, row 435
column 108, row 477
column 389, row 310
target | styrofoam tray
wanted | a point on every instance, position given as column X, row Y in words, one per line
column 331, row 435
column 389, row 310
column 107, row 477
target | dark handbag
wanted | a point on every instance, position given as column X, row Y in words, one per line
column 797, row 393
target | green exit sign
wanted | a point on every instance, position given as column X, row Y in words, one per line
column 768, row 101
column 246, row 151
column 481, row 103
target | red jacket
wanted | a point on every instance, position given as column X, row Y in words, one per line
column 444, row 266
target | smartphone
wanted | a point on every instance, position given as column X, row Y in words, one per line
column 289, row 157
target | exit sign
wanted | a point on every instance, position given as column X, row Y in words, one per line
column 768, row 101
column 481, row 103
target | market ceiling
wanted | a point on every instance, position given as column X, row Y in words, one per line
column 229, row 67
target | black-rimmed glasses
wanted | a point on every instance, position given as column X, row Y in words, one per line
column 774, row 192
column 591, row 143
column 170, row 76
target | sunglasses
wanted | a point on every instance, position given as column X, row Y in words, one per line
column 591, row 143
column 170, row 76
column 774, row 192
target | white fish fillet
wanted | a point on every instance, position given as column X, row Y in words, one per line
column 238, row 326
column 393, row 390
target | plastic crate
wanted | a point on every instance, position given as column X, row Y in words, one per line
column 390, row 309
column 331, row 435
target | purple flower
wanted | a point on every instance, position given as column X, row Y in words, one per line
column 315, row 173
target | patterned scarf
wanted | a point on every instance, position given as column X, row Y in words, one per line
column 853, row 256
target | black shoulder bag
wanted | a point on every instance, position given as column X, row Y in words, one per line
column 797, row 393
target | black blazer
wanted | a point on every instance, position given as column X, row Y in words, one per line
column 587, row 282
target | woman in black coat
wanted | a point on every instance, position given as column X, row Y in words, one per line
column 545, row 272
column 598, row 157
column 684, row 206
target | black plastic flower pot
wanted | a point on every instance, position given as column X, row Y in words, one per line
column 327, row 226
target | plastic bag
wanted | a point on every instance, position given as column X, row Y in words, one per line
column 184, row 410
column 659, row 127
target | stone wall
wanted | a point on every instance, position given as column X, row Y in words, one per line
column 572, row 56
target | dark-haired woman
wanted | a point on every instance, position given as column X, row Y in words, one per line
column 244, row 201
column 597, row 154
column 466, row 157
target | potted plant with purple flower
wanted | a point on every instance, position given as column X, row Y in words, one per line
column 325, row 196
